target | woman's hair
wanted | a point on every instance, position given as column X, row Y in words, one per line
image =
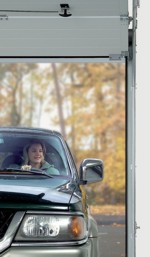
column 26, row 149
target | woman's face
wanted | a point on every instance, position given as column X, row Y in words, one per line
column 35, row 155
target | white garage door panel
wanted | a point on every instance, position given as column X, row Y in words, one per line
column 42, row 34
column 49, row 34
column 72, row 41
column 77, row 7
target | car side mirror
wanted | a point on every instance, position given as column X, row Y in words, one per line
column 91, row 170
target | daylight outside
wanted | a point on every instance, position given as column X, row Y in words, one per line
column 86, row 102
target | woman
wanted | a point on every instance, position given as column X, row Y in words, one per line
column 34, row 156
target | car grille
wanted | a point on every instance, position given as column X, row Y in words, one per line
column 5, row 219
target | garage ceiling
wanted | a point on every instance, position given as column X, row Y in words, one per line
column 39, row 28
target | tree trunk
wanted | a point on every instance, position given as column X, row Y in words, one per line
column 59, row 100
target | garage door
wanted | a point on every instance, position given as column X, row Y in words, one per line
column 55, row 28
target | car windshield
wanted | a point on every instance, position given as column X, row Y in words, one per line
column 32, row 154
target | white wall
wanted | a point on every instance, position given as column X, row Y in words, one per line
column 143, row 130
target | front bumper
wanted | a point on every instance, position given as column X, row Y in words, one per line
column 87, row 250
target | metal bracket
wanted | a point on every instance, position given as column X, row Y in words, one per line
column 136, row 228
column 126, row 18
column 138, row 3
column 3, row 17
column 64, row 10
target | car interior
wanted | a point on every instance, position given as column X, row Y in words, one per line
column 11, row 153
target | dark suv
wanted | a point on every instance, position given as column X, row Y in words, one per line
column 43, row 209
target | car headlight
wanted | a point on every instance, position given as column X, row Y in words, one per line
column 52, row 228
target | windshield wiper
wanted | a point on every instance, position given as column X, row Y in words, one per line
column 33, row 171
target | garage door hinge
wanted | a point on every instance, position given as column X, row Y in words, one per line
column 118, row 57
column 3, row 17
column 115, row 57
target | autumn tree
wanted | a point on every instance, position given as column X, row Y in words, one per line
column 95, row 94
column 11, row 85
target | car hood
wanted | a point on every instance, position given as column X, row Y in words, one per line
column 60, row 191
